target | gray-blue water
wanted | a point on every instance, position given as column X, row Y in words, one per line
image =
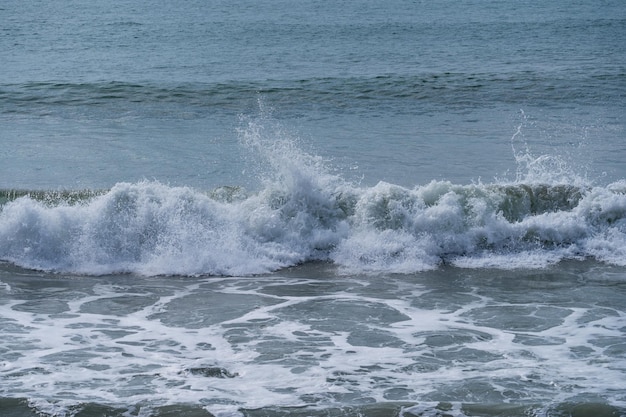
column 295, row 208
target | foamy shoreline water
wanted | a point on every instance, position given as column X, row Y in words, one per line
column 308, row 340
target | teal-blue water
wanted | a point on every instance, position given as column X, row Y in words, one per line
column 400, row 91
column 312, row 208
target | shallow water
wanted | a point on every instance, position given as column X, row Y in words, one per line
column 311, row 338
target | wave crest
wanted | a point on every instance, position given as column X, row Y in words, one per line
column 150, row 228
column 303, row 212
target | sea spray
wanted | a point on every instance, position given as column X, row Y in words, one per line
column 547, row 168
column 303, row 212
column 299, row 206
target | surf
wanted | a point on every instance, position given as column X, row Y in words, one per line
column 304, row 211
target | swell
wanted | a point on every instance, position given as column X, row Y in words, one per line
column 354, row 93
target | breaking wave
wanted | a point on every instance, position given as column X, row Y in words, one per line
column 304, row 212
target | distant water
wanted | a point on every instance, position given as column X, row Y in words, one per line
column 310, row 208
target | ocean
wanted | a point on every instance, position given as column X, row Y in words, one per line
column 310, row 208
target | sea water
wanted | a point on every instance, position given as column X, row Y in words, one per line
column 310, row 208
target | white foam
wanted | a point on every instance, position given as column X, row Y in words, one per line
column 302, row 212
column 302, row 349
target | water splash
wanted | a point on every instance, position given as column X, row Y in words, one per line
column 543, row 168
column 304, row 212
